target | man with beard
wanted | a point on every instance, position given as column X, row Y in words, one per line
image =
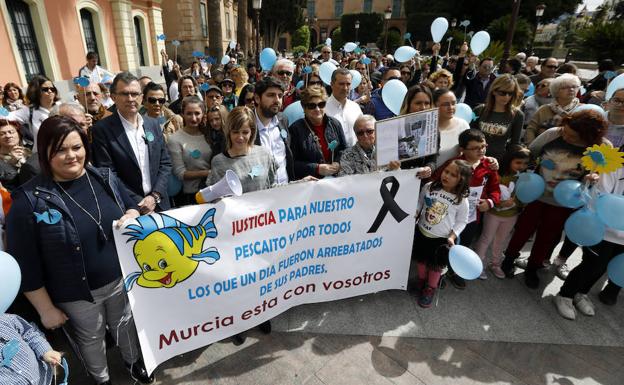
column 273, row 126
column 90, row 97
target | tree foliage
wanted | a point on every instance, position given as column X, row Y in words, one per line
column 371, row 26
column 337, row 40
column 301, row 37
column 279, row 16
column 522, row 35
column 604, row 40
column 395, row 40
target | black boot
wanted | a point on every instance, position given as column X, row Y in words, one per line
column 609, row 294
column 265, row 327
column 139, row 373
column 508, row 267
column 531, row 279
column 238, row 339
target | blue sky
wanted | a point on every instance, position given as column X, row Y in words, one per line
column 592, row 4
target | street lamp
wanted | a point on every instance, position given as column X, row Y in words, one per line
column 539, row 12
column 387, row 16
column 357, row 29
column 257, row 5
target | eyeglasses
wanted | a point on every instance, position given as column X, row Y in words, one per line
column 91, row 93
column 505, row 93
column 156, row 100
column 213, row 97
column 48, row 89
column 134, row 95
column 315, row 83
column 617, row 102
column 406, row 73
column 543, row 85
column 283, row 72
column 552, row 67
column 313, row 106
column 325, row 51
column 223, row 85
column 363, row 132
column 482, row 147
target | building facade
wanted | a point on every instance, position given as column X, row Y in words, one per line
column 188, row 22
column 324, row 15
column 52, row 37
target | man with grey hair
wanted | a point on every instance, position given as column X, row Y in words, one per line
column 360, row 158
column 531, row 63
column 75, row 111
column 283, row 70
column 340, row 107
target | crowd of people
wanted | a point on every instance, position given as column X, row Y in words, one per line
column 118, row 150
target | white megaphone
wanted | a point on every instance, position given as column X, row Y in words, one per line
column 228, row 185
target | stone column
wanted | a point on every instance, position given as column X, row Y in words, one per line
column 124, row 34
column 154, row 15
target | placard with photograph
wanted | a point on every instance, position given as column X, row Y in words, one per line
column 407, row 137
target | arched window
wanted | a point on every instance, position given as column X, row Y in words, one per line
column 139, row 40
column 88, row 28
column 26, row 39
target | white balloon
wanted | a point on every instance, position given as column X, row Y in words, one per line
column 438, row 29
column 479, row 42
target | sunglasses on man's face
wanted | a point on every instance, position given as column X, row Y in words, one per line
column 154, row 100
column 282, row 73
column 363, row 132
column 313, row 106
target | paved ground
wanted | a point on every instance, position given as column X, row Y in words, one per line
column 494, row 332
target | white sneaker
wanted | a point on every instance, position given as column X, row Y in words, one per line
column 483, row 275
column 584, row 304
column 521, row 263
column 565, row 307
column 562, row 271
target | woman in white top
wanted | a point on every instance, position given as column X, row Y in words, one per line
column 42, row 95
column 449, row 126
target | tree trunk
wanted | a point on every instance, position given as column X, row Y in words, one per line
column 242, row 34
column 215, row 37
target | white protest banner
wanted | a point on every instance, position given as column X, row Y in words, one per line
column 407, row 137
column 198, row 274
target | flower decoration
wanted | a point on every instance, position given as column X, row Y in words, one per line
column 602, row 158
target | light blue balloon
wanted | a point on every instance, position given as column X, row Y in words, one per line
column 465, row 262
column 463, row 111
column 610, row 209
column 616, row 84
column 569, row 193
column 392, row 94
column 407, row 36
column 294, row 112
column 299, row 85
column 349, row 47
column 356, row 79
column 325, row 72
column 10, row 279
column 530, row 187
column 438, row 29
column 530, row 91
column 479, row 42
column 268, row 57
column 225, row 60
column 328, row 41
column 174, row 185
column 615, row 270
column 404, row 54
column 584, row 228
column 366, row 60
column 588, row 107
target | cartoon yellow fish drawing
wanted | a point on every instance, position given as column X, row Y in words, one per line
column 169, row 251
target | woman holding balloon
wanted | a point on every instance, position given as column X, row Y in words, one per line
column 558, row 151
column 573, row 293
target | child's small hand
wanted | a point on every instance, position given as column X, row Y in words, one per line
column 483, row 205
column 493, row 163
column 52, row 357
column 451, row 241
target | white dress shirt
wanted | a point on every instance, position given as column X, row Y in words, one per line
column 138, row 142
column 271, row 139
column 22, row 116
column 346, row 115
column 96, row 75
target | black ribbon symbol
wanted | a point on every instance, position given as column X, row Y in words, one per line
column 389, row 204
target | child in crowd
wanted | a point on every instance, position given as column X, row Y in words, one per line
column 230, row 100
column 484, row 190
column 443, row 215
column 499, row 222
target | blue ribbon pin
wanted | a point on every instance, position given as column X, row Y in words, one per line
column 8, row 352
column 256, row 170
column 51, row 217
column 149, row 136
column 195, row 154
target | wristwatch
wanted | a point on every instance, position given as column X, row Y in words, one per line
column 156, row 196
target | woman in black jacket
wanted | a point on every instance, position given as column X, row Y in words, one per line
column 317, row 139
column 59, row 230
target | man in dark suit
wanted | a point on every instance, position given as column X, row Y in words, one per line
column 477, row 87
column 272, row 126
column 133, row 147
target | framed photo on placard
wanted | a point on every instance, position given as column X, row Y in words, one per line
column 406, row 137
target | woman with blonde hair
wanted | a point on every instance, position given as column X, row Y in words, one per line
column 240, row 77
column 442, row 79
column 500, row 118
